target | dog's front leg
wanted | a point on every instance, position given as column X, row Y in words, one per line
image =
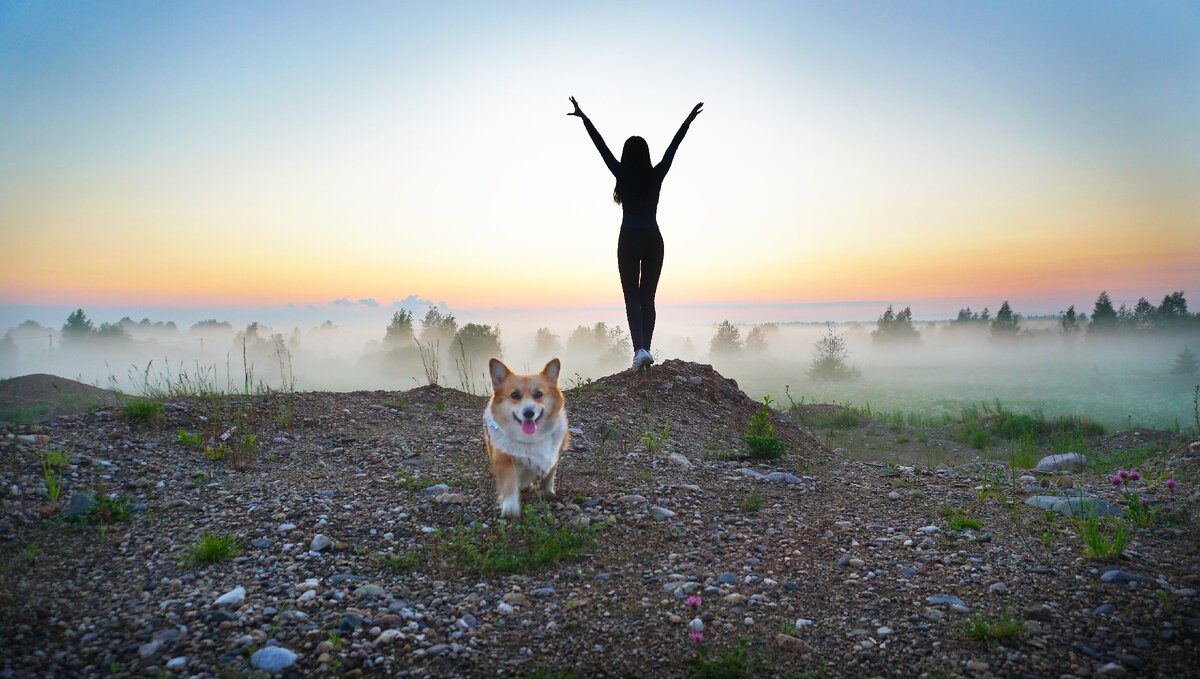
column 507, row 492
column 547, row 485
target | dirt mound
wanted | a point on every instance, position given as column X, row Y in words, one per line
column 697, row 405
column 41, row 396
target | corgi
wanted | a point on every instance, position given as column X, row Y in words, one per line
column 525, row 432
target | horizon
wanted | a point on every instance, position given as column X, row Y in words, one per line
column 937, row 155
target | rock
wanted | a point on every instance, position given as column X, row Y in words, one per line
column 857, row 563
column 387, row 636
column 844, row 559
column 894, row 495
column 661, row 513
column 944, row 600
column 734, row 599
column 727, row 578
column 801, row 623
column 1073, row 506
column 631, row 499
column 286, row 527
column 679, row 461
column 784, row 477
column 789, row 643
column 576, row 431
column 1117, row 576
column 516, row 599
column 1036, row 612
column 883, row 631
column 273, row 659
column 177, row 663
column 505, row 609
column 1112, row 669
column 320, row 543
column 451, row 499
column 79, row 505
column 311, row 583
column 977, row 666
column 262, row 543
column 149, row 649
column 1130, row 660
column 1061, row 462
column 233, row 598
column 544, row 591
column 369, row 591
column 998, row 588
column 928, row 530
column 1105, row 609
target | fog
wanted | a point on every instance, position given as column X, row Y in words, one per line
column 1126, row 379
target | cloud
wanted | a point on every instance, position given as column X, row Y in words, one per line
column 370, row 301
column 414, row 303
column 345, row 301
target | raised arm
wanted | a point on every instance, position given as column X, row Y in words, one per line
column 614, row 166
column 669, row 156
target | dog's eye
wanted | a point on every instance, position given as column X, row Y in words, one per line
column 516, row 396
column 537, row 394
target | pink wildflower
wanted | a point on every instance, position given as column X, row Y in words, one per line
column 693, row 601
column 1123, row 474
column 696, row 630
column 1170, row 484
column 1134, row 476
column 1116, row 480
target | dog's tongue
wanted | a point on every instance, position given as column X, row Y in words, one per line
column 528, row 427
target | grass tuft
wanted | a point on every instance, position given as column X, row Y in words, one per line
column 213, row 548
column 1003, row 628
column 142, row 411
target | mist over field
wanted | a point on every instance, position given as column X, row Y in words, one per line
column 1126, row 378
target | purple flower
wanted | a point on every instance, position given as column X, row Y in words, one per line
column 696, row 637
column 1116, row 480
column 1123, row 474
column 696, row 630
column 693, row 601
column 1170, row 484
column 1134, row 476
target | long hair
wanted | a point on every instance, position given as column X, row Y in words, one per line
column 635, row 156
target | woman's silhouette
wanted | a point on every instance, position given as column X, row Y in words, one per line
column 640, row 245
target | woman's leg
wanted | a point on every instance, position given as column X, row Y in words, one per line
column 652, row 262
column 628, row 264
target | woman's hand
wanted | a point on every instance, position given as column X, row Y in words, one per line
column 578, row 111
column 691, row 116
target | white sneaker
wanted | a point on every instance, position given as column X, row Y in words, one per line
column 649, row 358
column 641, row 360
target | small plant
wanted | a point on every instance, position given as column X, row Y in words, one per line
column 241, row 455
column 187, row 438
column 728, row 663
column 761, row 442
column 398, row 403
column 1103, row 540
column 406, row 481
column 213, row 548
column 961, row 522
column 439, row 406
column 401, row 562
column 534, row 541
column 53, row 487
column 142, row 411
column 751, row 502
column 1002, row 628
column 107, row 510
column 217, row 454
column 335, row 640
column 57, row 459
column 653, row 443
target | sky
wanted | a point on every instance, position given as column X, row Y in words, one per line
column 208, row 156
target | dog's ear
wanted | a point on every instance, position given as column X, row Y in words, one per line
column 499, row 372
column 551, row 370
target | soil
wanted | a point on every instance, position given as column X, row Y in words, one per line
column 817, row 563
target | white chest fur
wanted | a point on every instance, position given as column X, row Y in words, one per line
column 535, row 454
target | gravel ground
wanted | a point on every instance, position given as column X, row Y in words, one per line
column 819, row 562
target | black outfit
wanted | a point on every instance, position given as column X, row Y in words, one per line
column 640, row 245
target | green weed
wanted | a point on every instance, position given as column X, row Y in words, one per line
column 728, row 663
column 534, row 541
column 751, row 502
column 186, row 438
column 761, row 442
column 142, row 411
column 1002, row 628
column 1103, row 540
column 653, row 443
column 213, row 548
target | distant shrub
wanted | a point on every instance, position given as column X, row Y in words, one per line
column 830, row 358
column 1007, row 323
column 895, row 328
column 399, row 331
column 477, row 342
column 438, row 328
column 546, row 344
column 756, row 339
column 727, row 341
column 600, row 342
column 1185, row 363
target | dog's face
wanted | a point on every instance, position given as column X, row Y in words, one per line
column 523, row 404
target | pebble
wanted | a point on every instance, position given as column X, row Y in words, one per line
column 320, row 543
column 79, row 504
column 177, row 663
column 679, row 460
column 944, row 600
column 233, row 598
column 505, row 609
column 1117, row 576
column 1105, row 609
column 631, row 499
column 928, row 530
column 895, row 495
column 451, row 499
column 857, row 563
column 727, row 578
column 286, row 527
column 883, row 631
column 789, row 643
column 977, row 666
column 273, row 659
column 998, row 588
column 784, row 477
column 801, row 623
column 370, row 590
column 1036, row 612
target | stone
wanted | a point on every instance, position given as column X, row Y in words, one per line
column 844, row 559
column 1112, row 669
column 784, row 477
column 679, row 461
column 894, row 495
column 661, row 513
column 998, row 588
column 233, row 598
column 177, row 663
column 516, row 599
column 1036, row 612
column 727, row 578
column 1061, row 462
column 977, row 666
column 1105, row 609
column 369, row 591
column 320, row 543
column 944, row 600
column 262, row 543
column 631, row 499
column 1076, row 506
column 1118, row 577
column 286, row 527
column 505, row 609
column 273, row 659
column 149, row 649
column 387, row 636
column 857, row 563
column 451, row 499
column 79, row 505
column 734, row 599
column 789, row 643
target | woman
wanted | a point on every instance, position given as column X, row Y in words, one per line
column 640, row 245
